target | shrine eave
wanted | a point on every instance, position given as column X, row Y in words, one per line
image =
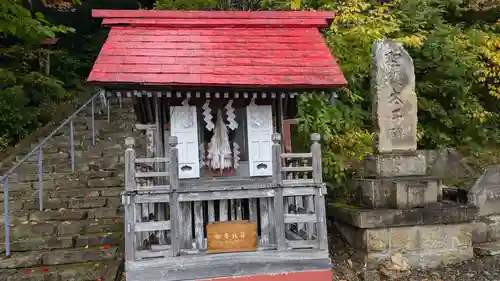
column 123, row 87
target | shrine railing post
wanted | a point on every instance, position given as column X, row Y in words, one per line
column 319, row 198
column 130, row 186
column 174, row 196
column 279, row 216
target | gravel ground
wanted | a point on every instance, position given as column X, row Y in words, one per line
column 346, row 268
column 484, row 269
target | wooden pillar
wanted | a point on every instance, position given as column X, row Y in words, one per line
column 279, row 216
column 130, row 184
column 316, row 158
column 319, row 198
column 276, row 158
column 174, row 197
column 279, row 113
column 128, row 201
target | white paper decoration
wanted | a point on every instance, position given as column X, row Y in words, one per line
column 219, row 149
column 231, row 117
column 236, row 155
column 207, row 116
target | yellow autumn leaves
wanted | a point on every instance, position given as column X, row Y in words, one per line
column 489, row 73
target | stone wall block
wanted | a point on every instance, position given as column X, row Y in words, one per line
column 374, row 193
column 460, row 235
column 479, row 232
column 493, row 232
column 415, row 193
column 403, row 238
column 433, row 237
column 377, row 240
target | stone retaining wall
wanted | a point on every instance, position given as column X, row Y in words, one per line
column 423, row 246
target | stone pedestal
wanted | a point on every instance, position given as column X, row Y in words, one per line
column 399, row 212
column 396, row 165
column 396, row 180
column 397, row 192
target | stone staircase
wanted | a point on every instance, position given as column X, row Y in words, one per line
column 78, row 234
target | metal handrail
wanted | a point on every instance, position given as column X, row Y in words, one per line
column 39, row 149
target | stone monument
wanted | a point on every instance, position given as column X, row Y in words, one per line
column 394, row 106
column 395, row 143
column 398, row 206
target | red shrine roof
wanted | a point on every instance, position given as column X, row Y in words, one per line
column 195, row 48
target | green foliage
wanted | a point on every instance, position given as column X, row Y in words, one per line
column 344, row 141
column 244, row 5
column 26, row 102
column 456, row 51
column 456, row 65
column 19, row 22
column 28, row 98
column 187, row 4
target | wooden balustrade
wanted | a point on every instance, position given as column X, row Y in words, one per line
column 165, row 218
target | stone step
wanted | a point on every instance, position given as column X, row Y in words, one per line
column 65, row 242
column 101, row 130
column 29, row 230
column 87, row 193
column 25, row 178
column 16, row 181
column 58, row 257
column 46, row 156
column 103, row 162
column 104, row 271
column 62, row 194
column 63, row 138
column 82, row 134
column 92, row 152
column 65, row 167
column 114, row 117
column 69, row 198
column 114, row 111
column 74, row 203
column 60, row 179
column 487, row 249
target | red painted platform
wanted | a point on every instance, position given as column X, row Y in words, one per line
column 324, row 275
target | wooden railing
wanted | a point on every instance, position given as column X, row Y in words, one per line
column 166, row 218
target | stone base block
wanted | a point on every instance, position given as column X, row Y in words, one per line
column 486, row 229
column 396, row 165
column 435, row 213
column 424, row 259
column 397, row 192
column 439, row 234
column 413, row 194
column 485, row 194
column 487, row 249
column 425, row 246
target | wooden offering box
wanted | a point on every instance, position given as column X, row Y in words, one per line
column 232, row 236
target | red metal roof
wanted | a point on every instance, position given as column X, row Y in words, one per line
column 210, row 14
column 193, row 48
